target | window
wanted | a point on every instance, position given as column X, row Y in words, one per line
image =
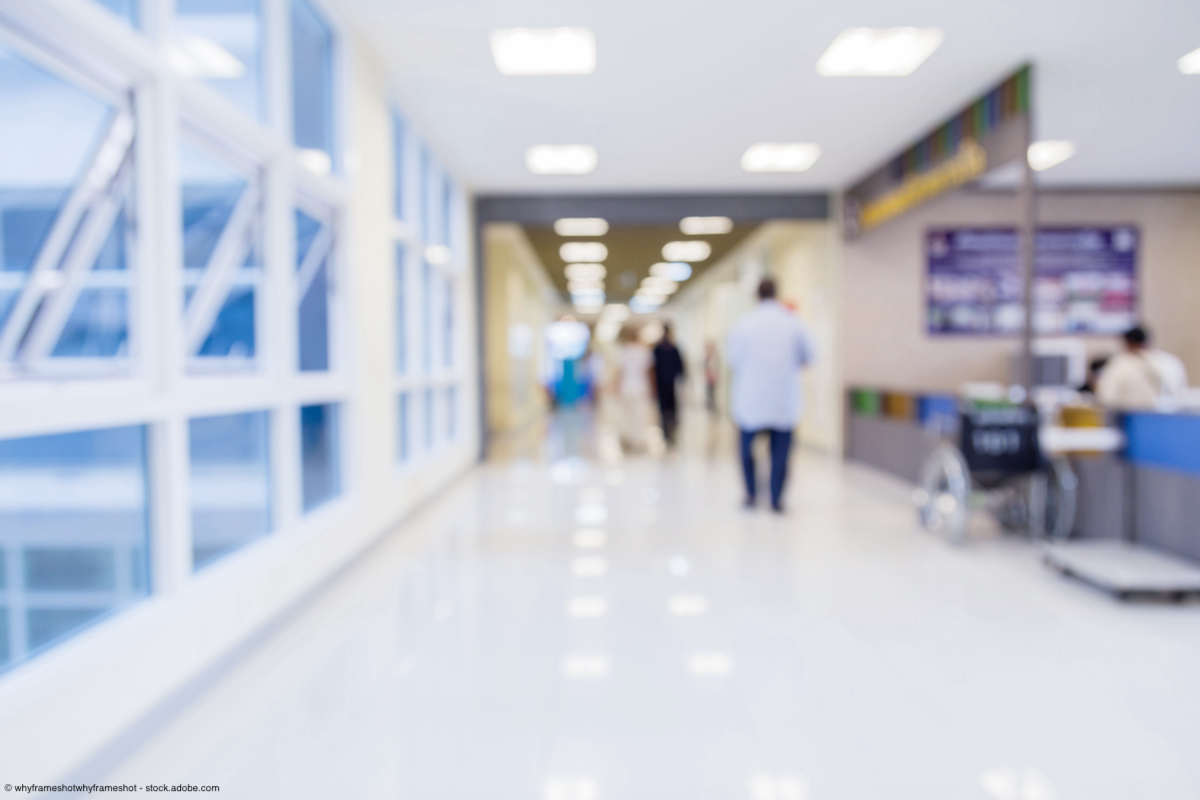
column 399, row 173
column 429, row 419
column 427, row 203
column 401, row 311
column 446, row 210
column 314, row 245
column 320, row 467
column 426, row 317
column 126, row 9
column 73, row 534
column 448, row 324
column 451, row 413
column 403, row 450
column 221, row 43
column 312, row 86
column 222, row 260
column 66, row 175
column 230, row 483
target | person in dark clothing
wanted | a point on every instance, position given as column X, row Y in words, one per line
column 668, row 370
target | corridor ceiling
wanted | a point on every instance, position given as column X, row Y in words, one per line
column 683, row 88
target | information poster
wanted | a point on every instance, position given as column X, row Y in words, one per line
column 1084, row 281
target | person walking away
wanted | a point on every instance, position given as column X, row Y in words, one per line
column 1141, row 378
column 765, row 352
column 668, row 371
column 710, row 376
column 634, row 365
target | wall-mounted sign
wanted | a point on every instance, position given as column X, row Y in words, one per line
column 1084, row 281
column 991, row 131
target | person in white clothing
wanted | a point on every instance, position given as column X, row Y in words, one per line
column 1141, row 378
column 766, row 350
column 634, row 365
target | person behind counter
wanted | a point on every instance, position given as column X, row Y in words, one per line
column 1141, row 377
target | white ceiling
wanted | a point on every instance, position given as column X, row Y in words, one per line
column 682, row 88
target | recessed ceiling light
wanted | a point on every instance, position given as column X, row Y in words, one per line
column 585, row 272
column 561, row 159
column 879, row 52
column 686, row 251
column 698, row 226
column 780, row 156
column 581, row 226
column 1046, row 154
column 583, row 287
column 583, row 251
column 544, row 51
column 1190, row 64
column 672, row 270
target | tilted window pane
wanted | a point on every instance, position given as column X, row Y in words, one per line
column 314, row 243
column 319, row 453
column 401, row 310
column 66, row 174
column 222, row 260
column 403, row 449
column 230, row 483
column 220, row 42
column 74, row 539
column 312, row 81
column 127, row 9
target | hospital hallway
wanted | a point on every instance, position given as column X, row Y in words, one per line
column 570, row 624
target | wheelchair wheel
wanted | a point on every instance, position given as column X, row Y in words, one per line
column 944, row 497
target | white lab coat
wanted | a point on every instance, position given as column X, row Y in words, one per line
column 765, row 351
column 1146, row 380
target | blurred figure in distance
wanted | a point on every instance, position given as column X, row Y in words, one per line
column 634, row 375
column 766, row 350
column 668, row 371
column 1142, row 377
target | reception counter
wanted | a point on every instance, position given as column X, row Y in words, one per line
column 1149, row 492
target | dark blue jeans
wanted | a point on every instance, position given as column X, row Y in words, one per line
column 781, row 443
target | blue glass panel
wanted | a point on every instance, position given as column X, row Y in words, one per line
column 451, row 413
column 312, row 79
column 402, row 427
column 232, row 335
column 74, row 527
column 220, row 42
column 319, row 454
column 210, row 191
column 426, row 317
column 314, row 323
column 401, row 315
column 126, row 9
column 448, row 325
column 427, row 206
column 230, row 483
column 428, row 419
column 446, row 208
column 307, row 229
column 398, row 171
column 98, row 326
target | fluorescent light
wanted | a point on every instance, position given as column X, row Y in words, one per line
column 581, row 226
column 699, row 226
column 585, row 287
column 659, row 285
column 544, row 51
column 586, row 666
column 437, row 254
column 587, row 607
column 642, row 304
column 198, row 57
column 780, row 156
column 1046, row 154
column 1190, row 64
column 589, row 252
column 686, row 251
column 672, row 270
column 589, row 538
column 571, row 789
column 561, row 159
column 684, row 605
column 879, row 52
column 584, row 271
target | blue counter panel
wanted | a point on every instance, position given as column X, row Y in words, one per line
column 1171, row 441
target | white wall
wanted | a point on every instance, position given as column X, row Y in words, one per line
column 884, row 284
column 60, row 709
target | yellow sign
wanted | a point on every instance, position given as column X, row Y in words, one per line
column 963, row 167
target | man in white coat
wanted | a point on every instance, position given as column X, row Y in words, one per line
column 766, row 350
column 1141, row 378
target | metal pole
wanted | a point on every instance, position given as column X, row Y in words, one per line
column 1026, row 233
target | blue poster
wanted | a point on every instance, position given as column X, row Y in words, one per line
column 1084, row 281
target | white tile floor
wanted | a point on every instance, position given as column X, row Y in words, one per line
column 584, row 632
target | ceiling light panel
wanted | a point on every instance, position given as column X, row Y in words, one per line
column 879, row 52
column 1190, row 64
column 581, row 226
column 1049, row 153
column 583, row 252
column 700, row 226
column 686, row 251
column 672, row 270
column 780, row 156
column 580, row 287
column 544, row 51
column 660, row 285
column 561, row 159
column 645, row 305
column 585, row 271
